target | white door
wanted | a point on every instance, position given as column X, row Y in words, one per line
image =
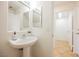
column 76, row 43
column 76, row 30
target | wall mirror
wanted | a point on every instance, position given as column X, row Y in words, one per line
column 18, row 15
column 37, row 18
column 25, row 20
column 21, row 15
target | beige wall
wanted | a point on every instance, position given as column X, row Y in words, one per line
column 5, row 49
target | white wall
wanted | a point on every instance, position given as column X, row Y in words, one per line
column 44, row 46
column 13, row 22
column 63, row 27
column 5, row 49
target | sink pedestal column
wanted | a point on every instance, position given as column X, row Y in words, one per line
column 26, row 52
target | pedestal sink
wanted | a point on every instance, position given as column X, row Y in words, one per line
column 24, row 43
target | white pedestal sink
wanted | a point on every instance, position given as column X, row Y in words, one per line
column 26, row 52
column 25, row 43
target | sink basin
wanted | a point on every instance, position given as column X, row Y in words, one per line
column 22, row 43
column 25, row 43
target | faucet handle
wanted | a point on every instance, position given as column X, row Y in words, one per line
column 29, row 32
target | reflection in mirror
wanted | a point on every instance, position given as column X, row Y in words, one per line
column 18, row 15
column 37, row 18
column 26, row 19
column 13, row 16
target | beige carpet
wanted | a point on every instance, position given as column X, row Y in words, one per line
column 62, row 49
